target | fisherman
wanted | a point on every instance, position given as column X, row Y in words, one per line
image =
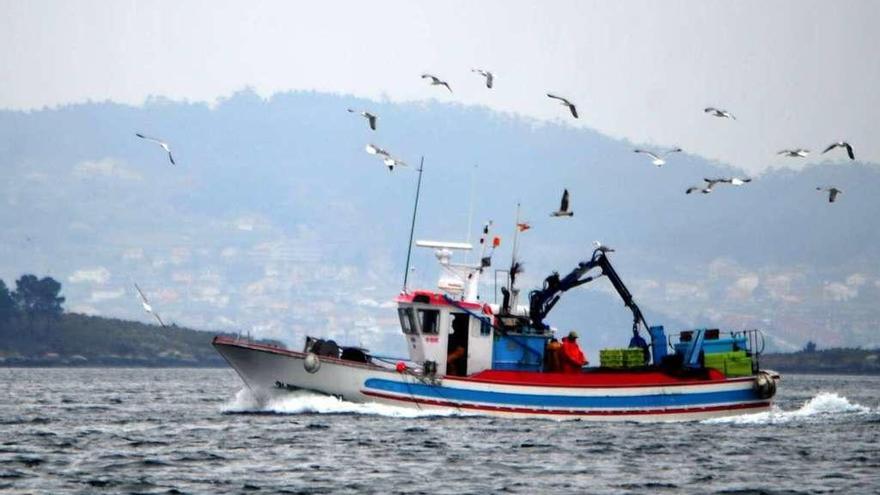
column 454, row 361
column 572, row 358
column 551, row 357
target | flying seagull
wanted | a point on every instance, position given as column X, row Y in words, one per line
column 710, row 183
column 375, row 150
column 392, row 162
column 598, row 246
column 436, row 81
column 724, row 114
column 147, row 307
column 736, row 181
column 841, row 144
column 488, row 75
column 371, row 118
column 563, row 207
column 658, row 158
column 564, row 102
column 795, row 153
column 161, row 143
column 832, row 192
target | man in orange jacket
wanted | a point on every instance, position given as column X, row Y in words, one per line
column 572, row 358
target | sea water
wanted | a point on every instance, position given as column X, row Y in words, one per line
column 199, row 431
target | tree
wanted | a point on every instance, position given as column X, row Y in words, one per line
column 7, row 303
column 35, row 296
column 810, row 347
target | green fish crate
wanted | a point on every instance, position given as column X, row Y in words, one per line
column 735, row 363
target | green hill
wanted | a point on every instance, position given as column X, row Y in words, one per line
column 72, row 339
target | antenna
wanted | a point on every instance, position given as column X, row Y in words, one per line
column 471, row 207
column 412, row 227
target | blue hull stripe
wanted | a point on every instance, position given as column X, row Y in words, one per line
column 563, row 401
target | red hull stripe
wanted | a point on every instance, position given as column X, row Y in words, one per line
column 558, row 412
column 597, row 379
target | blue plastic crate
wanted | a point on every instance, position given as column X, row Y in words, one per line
column 518, row 352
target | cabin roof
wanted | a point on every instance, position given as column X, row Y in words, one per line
column 440, row 299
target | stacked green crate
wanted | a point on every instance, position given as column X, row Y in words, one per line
column 612, row 358
column 735, row 363
column 633, row 357
column 621, row 358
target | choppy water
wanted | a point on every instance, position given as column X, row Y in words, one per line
column 194, row 431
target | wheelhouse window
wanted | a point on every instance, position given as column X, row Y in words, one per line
column 429, row 321
column 485, row 327
column 407, row 324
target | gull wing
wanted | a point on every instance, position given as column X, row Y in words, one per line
column 652, row 155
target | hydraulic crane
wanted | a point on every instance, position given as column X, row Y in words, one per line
column 541, row 301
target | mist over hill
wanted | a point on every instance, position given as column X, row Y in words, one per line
column 276, row 221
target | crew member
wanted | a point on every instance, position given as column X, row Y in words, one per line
column 454, row 361
column 551, row 356
column 572, row 358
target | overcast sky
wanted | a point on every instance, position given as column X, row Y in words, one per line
column 796, row 74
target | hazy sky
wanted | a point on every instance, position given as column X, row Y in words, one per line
column 796, row 74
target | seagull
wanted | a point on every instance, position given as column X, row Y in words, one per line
column 724, row 114
column 832, row 192
column 392, row 162
column 658, row 159
column 841, row 144
column 147, row 307
column 563, row 207
column 564, row 102
column 597, row 246
column 375, row 150
column 436, row 81
column 736, row 181
column 710, row 183
column 367, row 115
column 704, row 190
column 795, row 153
column 161, row 143
column 488, row 75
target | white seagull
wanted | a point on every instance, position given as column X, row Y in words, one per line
column 147, row 307
column 832, row 192
column 563, row 210
column 436, row 81
column 715, row 112
column 736, row 181
column 658, row 158
column 566, row 103
column 597, row 246
column 710, row 183
column 841, row 144
column 795, row 153
column 375, row 150
column 161, row 143
column 392, row 162
column 488, row 75
column 371, row 118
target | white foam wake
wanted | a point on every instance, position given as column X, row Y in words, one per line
column 301, row 402
column 825, row 404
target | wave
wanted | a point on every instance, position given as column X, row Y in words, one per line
column 302, row 402
column 823, row 405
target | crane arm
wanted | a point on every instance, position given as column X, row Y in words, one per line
column 542, row 301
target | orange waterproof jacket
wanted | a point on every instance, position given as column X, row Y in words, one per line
column 572, row 356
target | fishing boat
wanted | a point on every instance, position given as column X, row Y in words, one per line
column 472, row 357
